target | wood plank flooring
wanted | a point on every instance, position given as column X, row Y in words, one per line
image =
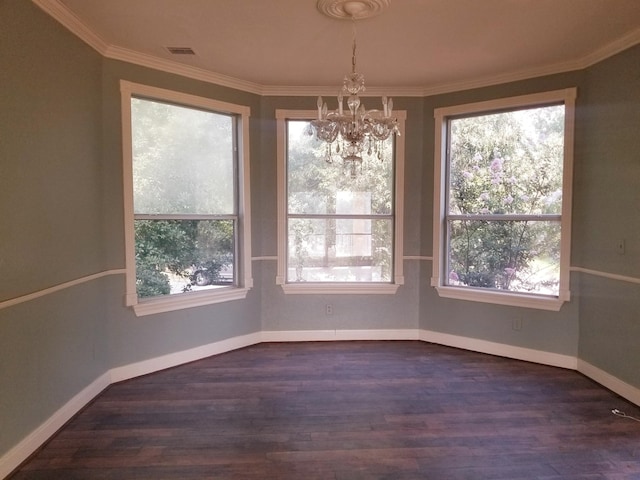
column 348, row 411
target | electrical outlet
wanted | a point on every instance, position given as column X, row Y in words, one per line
column 328, row 309
column 517, row 324
column 620, row 247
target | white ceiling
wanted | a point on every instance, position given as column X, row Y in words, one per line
column 414, row 46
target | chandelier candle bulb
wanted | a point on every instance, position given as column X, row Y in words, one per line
column 360, row 132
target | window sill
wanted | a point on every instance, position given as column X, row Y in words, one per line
column 188, row 300
column 539, row 302
column 340, row 288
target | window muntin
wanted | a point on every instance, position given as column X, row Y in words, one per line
column 339, row 228
column 503, row 198
column 337, row 234
column 186, row 178
column 184, row 197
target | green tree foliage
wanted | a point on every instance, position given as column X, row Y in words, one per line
column 506, row 164
column 183, row 160
column 179, row 248
column 321, row 188
column 183, row 164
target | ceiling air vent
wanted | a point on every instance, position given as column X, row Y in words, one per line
column 181, row 50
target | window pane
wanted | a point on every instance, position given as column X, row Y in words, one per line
column 183, row 160
column 338, row 250
column 176, row 256
column 317, row 187
column 517, row 256
column 507, row 163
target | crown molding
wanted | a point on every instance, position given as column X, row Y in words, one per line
column 611, row 49
column 168, row 66
column 501, row 79
column 57, row 10
column 72, row 23
column 332, row 91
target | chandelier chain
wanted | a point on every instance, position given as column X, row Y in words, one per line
column 353, row 55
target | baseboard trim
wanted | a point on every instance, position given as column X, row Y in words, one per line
column 145, row 367
column 500, row 349
column 607, row 380
column 336, row 335
column 24, row 449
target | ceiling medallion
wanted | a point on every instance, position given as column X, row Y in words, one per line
column 352, row 133
column 352, row 9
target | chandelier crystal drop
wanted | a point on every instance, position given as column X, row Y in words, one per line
column 352, row 133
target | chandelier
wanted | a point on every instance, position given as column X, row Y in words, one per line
column 351, row 133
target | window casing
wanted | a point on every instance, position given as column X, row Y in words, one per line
column 502, row 200
column 337, row 234
column 186, row 197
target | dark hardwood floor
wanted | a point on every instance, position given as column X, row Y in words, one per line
column 347, row 411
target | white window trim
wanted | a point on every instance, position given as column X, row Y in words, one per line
column 567, row 96
column 339, row 287
column 190, row 299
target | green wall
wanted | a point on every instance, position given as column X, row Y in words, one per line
column 61, row 219
column 555, row 332
column 131, row 338
column 51, row 218
column 350, row 312
column 607, row 209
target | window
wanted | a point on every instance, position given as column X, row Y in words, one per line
column 337, row 234
column 502, row 215
column 186, row 170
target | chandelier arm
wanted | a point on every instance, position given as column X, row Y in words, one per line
column 358, row 131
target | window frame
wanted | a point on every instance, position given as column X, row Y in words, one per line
column 442, row 116
column 244, row 283
column 347, row 288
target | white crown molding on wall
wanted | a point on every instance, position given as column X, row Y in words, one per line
column 611, row 49
column 69, row 20
column 195, row 73
column 330, row 91
column 72, row 23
